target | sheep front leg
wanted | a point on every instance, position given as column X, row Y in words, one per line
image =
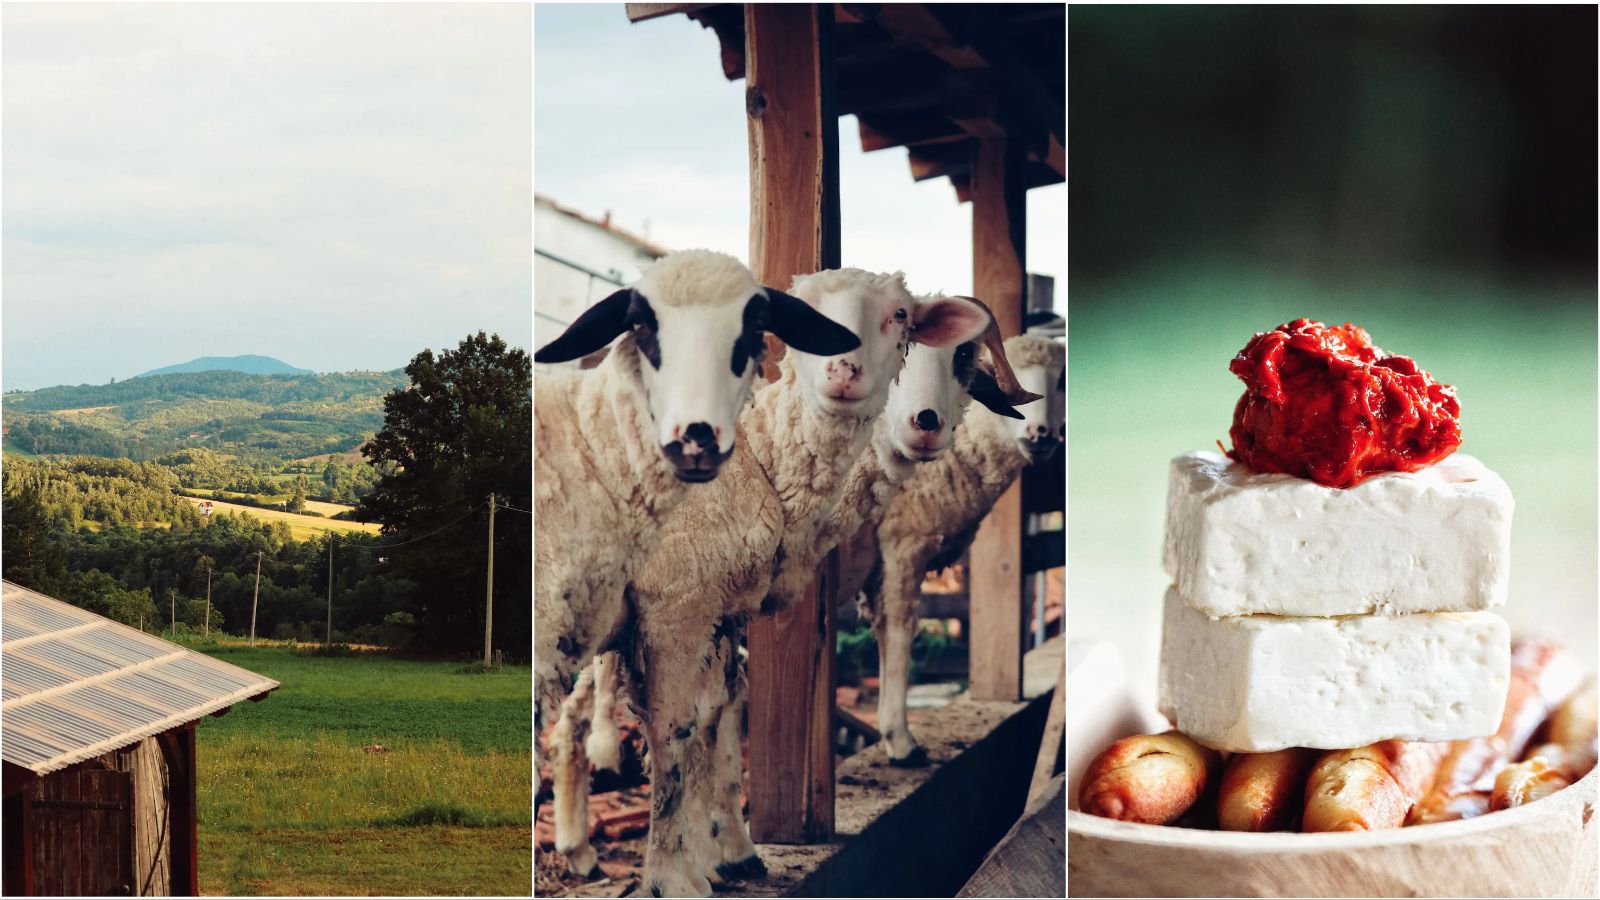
column 678, row 807
column 894, row 623
column 604, row 745
column 737, row 858
column 571, row 776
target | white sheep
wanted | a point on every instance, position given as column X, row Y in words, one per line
column 925, row 404
column 615, row 446
column 931, row 521
column 724, row 548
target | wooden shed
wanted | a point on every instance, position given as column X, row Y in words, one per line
column 97, row 734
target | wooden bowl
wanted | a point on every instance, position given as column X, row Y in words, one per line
column 1545, row 849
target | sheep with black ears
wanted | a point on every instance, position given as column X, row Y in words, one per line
column 725, row 546
column 925, row 404
column 932, row 520
column 616, row 446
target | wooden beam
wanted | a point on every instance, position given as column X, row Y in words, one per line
column 727, row 21
column 884, row 132
column 1055, row 735
column 639, row 12
column 999, row 264
column 794, row 230
column 892, row 86
column 973, row 27
column 928, row 163
column 963, row 186
column 1054, row 157
column 910, row 23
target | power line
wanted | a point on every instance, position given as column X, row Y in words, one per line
column 470, row 510
column 516, row 509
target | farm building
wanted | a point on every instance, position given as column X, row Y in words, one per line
column 577, row 260
column 97, row 733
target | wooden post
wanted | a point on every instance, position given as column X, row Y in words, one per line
column 328, row 640
column 1051, row 746
column 177, row 745
column 256, row 598
column 794, row 230
column 999, row 239
column 488, row 595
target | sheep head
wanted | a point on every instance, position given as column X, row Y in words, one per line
column 1040, row 365
column 929, row 399
column 693, row 332
column 889, row 320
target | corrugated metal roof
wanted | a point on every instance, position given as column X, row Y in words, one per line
column 75, row 685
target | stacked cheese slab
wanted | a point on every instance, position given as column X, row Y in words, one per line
column 1307, row 616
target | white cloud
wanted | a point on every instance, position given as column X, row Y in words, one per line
column 336, row 184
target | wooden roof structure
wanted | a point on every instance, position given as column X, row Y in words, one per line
column 976, row 94
column 934, row 79
column 75, row 685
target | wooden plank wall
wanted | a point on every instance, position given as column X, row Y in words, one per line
column 152, row 852
column 999, row 266
column 178, row 752
column 81, row 823
column 794, row 230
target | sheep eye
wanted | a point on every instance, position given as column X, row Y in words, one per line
column 899, row 315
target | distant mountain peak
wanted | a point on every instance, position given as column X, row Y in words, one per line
column 249, row 363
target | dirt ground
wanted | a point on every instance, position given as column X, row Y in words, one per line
column 619, row 815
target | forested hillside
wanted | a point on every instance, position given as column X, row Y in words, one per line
column 257, row 417
column 98, row 482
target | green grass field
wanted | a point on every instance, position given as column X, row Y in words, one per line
column 302, row 528
column 296, row 796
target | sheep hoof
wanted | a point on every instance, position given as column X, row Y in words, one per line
column 747, row 868
column 583, row 862
column 916, row 759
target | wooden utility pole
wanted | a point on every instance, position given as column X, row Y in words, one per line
column 328, row 640
column 994, row 576
column 208, row 602
column 794, row 230
column 255, row 599
column 488, row 593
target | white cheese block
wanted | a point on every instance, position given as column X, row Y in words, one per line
column 1259, row 683
column 1239, row 542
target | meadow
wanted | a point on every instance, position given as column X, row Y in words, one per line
column 301, row 527
column 367, row 774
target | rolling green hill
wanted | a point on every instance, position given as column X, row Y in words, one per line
column 264, row 417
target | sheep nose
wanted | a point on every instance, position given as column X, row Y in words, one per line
column 927, row 420
column 697, row 438
column 842, row 371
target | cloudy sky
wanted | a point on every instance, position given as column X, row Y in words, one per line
column 638, row 120
column 336, row 185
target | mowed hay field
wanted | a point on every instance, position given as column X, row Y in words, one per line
column 368, row 775
column 301, row 527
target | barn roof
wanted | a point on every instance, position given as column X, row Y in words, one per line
column 75, row 685
column 933, row 78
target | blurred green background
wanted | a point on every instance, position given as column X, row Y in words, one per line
column 1425, row 172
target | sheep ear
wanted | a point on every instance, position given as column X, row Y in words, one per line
column 986, row 390
column 596, row 328
column 800, row 326
column 947, row 321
